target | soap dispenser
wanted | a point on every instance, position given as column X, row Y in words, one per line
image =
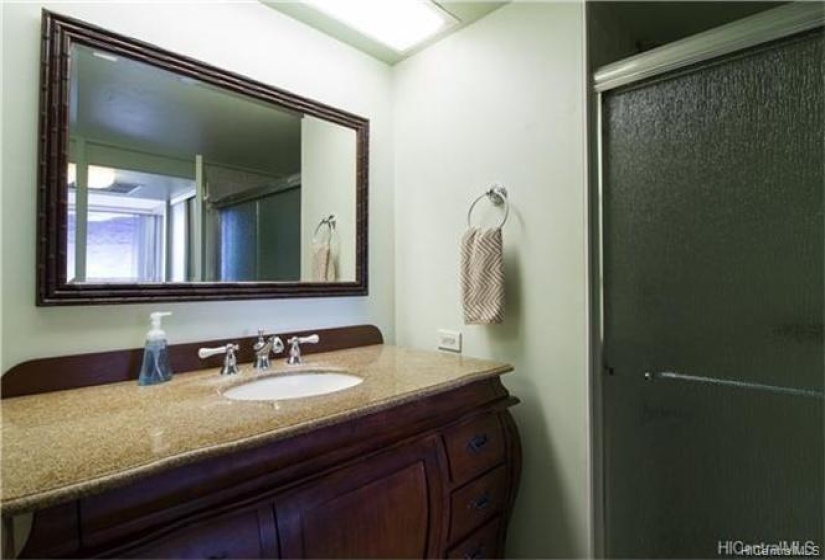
column 155, row 367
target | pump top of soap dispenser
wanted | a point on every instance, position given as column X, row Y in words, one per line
column 156, row 332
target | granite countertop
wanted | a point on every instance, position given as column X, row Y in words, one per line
column 63, row 445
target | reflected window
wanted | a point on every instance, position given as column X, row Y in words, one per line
column 121, row 245
column 133, row 230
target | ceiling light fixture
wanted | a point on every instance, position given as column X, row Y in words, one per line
column 101, row 177
column 98, row 177
column 398, row 24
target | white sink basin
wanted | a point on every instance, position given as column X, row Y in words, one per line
column 292, row 386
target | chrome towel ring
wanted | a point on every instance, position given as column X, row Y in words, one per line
column 329, row 221
column 497, row 196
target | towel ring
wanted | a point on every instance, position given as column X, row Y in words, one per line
column 497, row 196
column 329, row 221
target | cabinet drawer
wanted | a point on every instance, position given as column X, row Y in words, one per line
column 476, row 502
column 474, row 446
column 481, row 544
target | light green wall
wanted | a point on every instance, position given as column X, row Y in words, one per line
column 328, row 178
column 503, row 100
column 260, row 43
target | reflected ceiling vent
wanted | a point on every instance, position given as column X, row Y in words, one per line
column 123, row 188
column 115, row 188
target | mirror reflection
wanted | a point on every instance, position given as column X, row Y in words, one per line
column 171, row 179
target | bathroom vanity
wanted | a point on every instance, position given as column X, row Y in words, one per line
column 421, row 459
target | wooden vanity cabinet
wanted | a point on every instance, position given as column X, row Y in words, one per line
column 435, row 477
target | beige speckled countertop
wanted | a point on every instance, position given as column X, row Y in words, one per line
column 67, row 444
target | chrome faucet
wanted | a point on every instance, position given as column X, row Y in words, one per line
column 263, row 348
column 295, row 342
column 230, row 361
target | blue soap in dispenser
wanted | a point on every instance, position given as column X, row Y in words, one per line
column 155, row 367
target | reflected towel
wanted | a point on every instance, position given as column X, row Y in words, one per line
column 323, row 263
column 482, row 276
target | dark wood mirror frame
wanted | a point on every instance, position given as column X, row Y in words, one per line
column 59, row 33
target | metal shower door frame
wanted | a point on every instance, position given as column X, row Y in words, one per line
column 752, row 31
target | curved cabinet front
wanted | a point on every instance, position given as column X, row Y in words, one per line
column 375, row 508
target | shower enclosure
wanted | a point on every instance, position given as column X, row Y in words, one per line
column 710, row 359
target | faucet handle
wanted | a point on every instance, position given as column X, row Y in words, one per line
column 295, row 342
column 230, row 362
column 204, row 353
column 311, row 339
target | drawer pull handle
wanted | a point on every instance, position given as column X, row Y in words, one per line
column 477, row 443
column 477, row 552
column 223, row 555
column 481, row 502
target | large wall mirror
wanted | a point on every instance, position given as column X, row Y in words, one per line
column 162, row 178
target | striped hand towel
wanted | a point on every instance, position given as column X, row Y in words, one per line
column 482, row 276
column 323, row 262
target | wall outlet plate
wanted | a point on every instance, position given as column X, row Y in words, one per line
column 449, row 340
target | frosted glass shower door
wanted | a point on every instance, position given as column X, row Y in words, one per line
column 712, row 251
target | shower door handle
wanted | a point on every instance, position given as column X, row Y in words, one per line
column 734, row 383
